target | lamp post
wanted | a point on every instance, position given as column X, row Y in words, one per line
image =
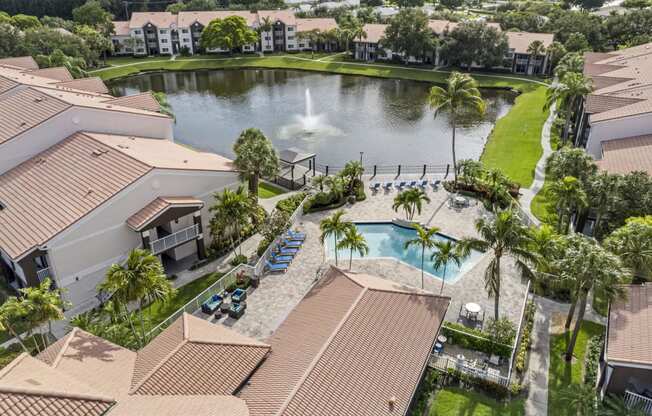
column 361, row 154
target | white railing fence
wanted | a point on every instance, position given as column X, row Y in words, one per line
column 44, row 274
column 519, row 331
column 444, row 362
column 169, row 241
column 640, row 402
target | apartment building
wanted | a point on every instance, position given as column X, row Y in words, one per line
column 86, row 177
column 517, row 60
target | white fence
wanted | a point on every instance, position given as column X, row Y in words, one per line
column 444, row 362
column 174, row 239
column 633, row 400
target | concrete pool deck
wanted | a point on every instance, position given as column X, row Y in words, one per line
column 278, row 294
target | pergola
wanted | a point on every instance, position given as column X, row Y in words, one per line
column 294, row 156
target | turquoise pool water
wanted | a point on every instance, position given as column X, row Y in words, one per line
column 388, row 240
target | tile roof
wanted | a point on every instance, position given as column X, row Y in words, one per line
column 144, row 100
column 285, row 16
column 322, row 24
column 135, row 405
column 186, row 19
column 158, row 206
column 90, row 84
column 346, row 346
column 630, row 327
column 162, row 20
column 374, row 32
column 598, row 103
column 57, row 73
column 25, row 62
column 627, row 155
column 121, row 28
column 7, row 84
column 520, row 41
column 184, row 358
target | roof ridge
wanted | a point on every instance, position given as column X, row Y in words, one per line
column 12, row 364
column 419, row 292
column 232, row 344
column 64, row 347
column 323, row 349
column 50, row 393
column 88, row 134
column 154, row 369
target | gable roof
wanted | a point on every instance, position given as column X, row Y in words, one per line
column 322, row 24
column 89, row 84
column 157, row 207
column 627, row 155
column 144, row 100
column 162, row 20
column 285, row 16
column 629, row 338
column 346, row 346
column 520, row 41
column 121, row 28
column 186, row 19
column 25, row 62
column 58, row 73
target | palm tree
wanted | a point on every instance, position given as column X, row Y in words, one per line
column 504, row 235
column 334, row 226
column 266, row 25
column 255, row 157
column 586, row 266
column 336, row 186
column 470, row 170
column 140, row 279
column 446, row 252
column 571, row 62
column 426, row 238
column 13, row 311
column 461, row 95
column 536, row 49
column 354, row 241
column 569, row 199
column 352, row 171
column 572, row 87
column 602, row 196
column 613, row 405
column 411, row 201
column 231, row 209
column 547, row 246
column 319, row 181
column 633, row 244
column 43, row 305
column 581, row 398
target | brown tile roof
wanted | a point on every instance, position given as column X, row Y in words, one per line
column 26, row 109
column 135, row 405
column 6, row 84
column 630, row 327
column 346, row 346
column 285, row 16
column 157, row 207
column 25, row 62
column 186, row 19
column 374, row 31
column 520, row 41
column 57, row 73
column 121, row 28
column 598, row 103
column 32, row 404
column 90, row 84
column 600, row 82
column 144, row 100
column 196, row 357
column 162, row 20
column 627, row 155
column 322, row 24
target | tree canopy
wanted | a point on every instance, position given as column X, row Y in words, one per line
column 229, row 33
column 474, row 42
column 408, row 34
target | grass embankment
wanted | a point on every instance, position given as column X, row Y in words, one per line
column 458, row 402
column 266, row 190
column 561, row 373
column 513, row 147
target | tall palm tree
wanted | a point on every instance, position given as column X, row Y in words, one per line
column 633, row 244
column 587, row 266
column 461, row 95
column 548, row 246
column 43, row 305
column 336, row 186
column 354, row 241
column 319, row 181
column 446, row 253
column 13, row 311
column 581, row 398
column 504, row 235
column 571, row 62
column 334, row 226
column 536, row 49
column 266, row 25
column 571, row 88
column 602, row 195
column 569, row 199
column 426, row 238
column 140, row 279
column 231, row 209
column 411, row 201
column 255, row 157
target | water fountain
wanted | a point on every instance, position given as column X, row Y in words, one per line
column 308, row 124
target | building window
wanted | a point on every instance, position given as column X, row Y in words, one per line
column 290, row 46
column 301, row 45
column 137, row 32
column 163, row 31
column 184, row 30
column 164, row 41
column 41, row 262
column 290, row 37
column 140, row 50
column 165, row 49
column 290, row 29
column 268, row 38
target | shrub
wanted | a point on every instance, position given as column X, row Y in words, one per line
column 360, row 194
column 423, row 392
column 290, row 204
column 526, row 337
column 474, row 339
column 262, row 246
column 239, row 259
column 501, row 331
column 592, row 359
column 495, row 390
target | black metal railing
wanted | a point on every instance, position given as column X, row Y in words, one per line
column 397, row 170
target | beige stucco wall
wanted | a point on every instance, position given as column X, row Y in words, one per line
column 80, row 255
column 74, row 119
column 616, row 129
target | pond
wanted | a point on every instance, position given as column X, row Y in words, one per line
column 334, row 116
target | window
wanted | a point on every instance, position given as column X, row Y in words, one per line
column 163, row 31
column 165, row 49
column 301, row 45
column 137, row 32
column 268, row 38
column 41, row 262
column 140, row 50
column 290, row 29
column 164, row 41
column 290, row 37
column 128, row 50
column 184, row 30
column 290, row 46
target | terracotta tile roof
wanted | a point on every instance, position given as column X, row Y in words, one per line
column 285, row 16
column 65, row 182
column 25, row 109
column 630, row 327
column 440, row 26
column 346, row 346
column 186, row 19
column 180, row 406
column 159, row 206
column 322, row 24
column 196, row 357
column 144, row 100
column 25, row 62
column 374, row 31
column 57, row 73
column 6, row 84
column 598, row 103
column 162, row 20
column 520, row 41
column 634, row 109
column 90, row 84
column 121, row 28
column 31, row 404
column 627, row 155
column 600, row 82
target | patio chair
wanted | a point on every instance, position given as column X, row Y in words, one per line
column 237, row 310
column 212, row 304
column 423, row 184
column 275, row 258
column 412, row 184
column 239, row 295
column 374, row 186
column 276, row 267
column 292, row 243
column 388, row 186
column 296, row 236
column 286, row 251
column 435, row 184
column 401, row 184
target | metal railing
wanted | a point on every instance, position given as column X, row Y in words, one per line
column 43, row 274
column 397, row 170
column 641, row 402
column 174, row 239
column 445, row 362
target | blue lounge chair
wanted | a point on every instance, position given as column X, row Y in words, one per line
column 280, row 267
column 412, row 184
column 401, row 184
column 435, row 184
column 291, row 235
column 212, row 304
column 423, row 183
column 387, row 186
column 291, row 243
column 286, row 251
column 281, row 258
column 374, row 186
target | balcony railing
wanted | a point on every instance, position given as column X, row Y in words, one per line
column 43, row 274
column 639, row 402
column 175, row 239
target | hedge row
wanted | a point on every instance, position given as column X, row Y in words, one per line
column 474, row 339
column 526, row 339
column 592, row 359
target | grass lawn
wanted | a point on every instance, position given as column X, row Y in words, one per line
column 266, row 190
column 540, row 206
column 453, row 401
column 159, row 311
column 513, row 147
column 561, row 373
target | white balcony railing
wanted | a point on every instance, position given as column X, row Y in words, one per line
column 43, row 274
column 640, row 402
column 175, row 239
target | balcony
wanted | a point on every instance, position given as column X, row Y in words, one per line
column 42, row 274
column 174, row 239
column 633, row 400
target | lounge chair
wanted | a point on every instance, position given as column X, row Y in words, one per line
column 286, row 251
column 423, row 184
column 435, row 184
column 281, row 258
column 292, row 243
column 238, row 295
column 387, row 186
column 237, row 310
column 212, row 304
column 277, row 267
column 291, row 235
column 401, row 184
column 412, row 184
column 374, row 186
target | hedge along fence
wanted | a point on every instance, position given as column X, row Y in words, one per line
column 474, row 339
column 526, row 338
column 592, row 359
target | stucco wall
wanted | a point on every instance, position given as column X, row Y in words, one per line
column 616, row 129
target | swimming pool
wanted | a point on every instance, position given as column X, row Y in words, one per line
column 386, row 240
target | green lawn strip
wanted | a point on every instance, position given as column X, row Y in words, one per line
column 561, row 374
column 159, row 311
column 453, row 401
column 266, row 190
column 540, row 206
column 514, row 145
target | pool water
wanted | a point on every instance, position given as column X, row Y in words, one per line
column 387, row 240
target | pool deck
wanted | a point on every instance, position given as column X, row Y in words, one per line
column 278, row 294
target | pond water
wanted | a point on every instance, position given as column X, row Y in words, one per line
column 334, row 116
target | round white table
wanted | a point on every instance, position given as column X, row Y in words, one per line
column 473, row 307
